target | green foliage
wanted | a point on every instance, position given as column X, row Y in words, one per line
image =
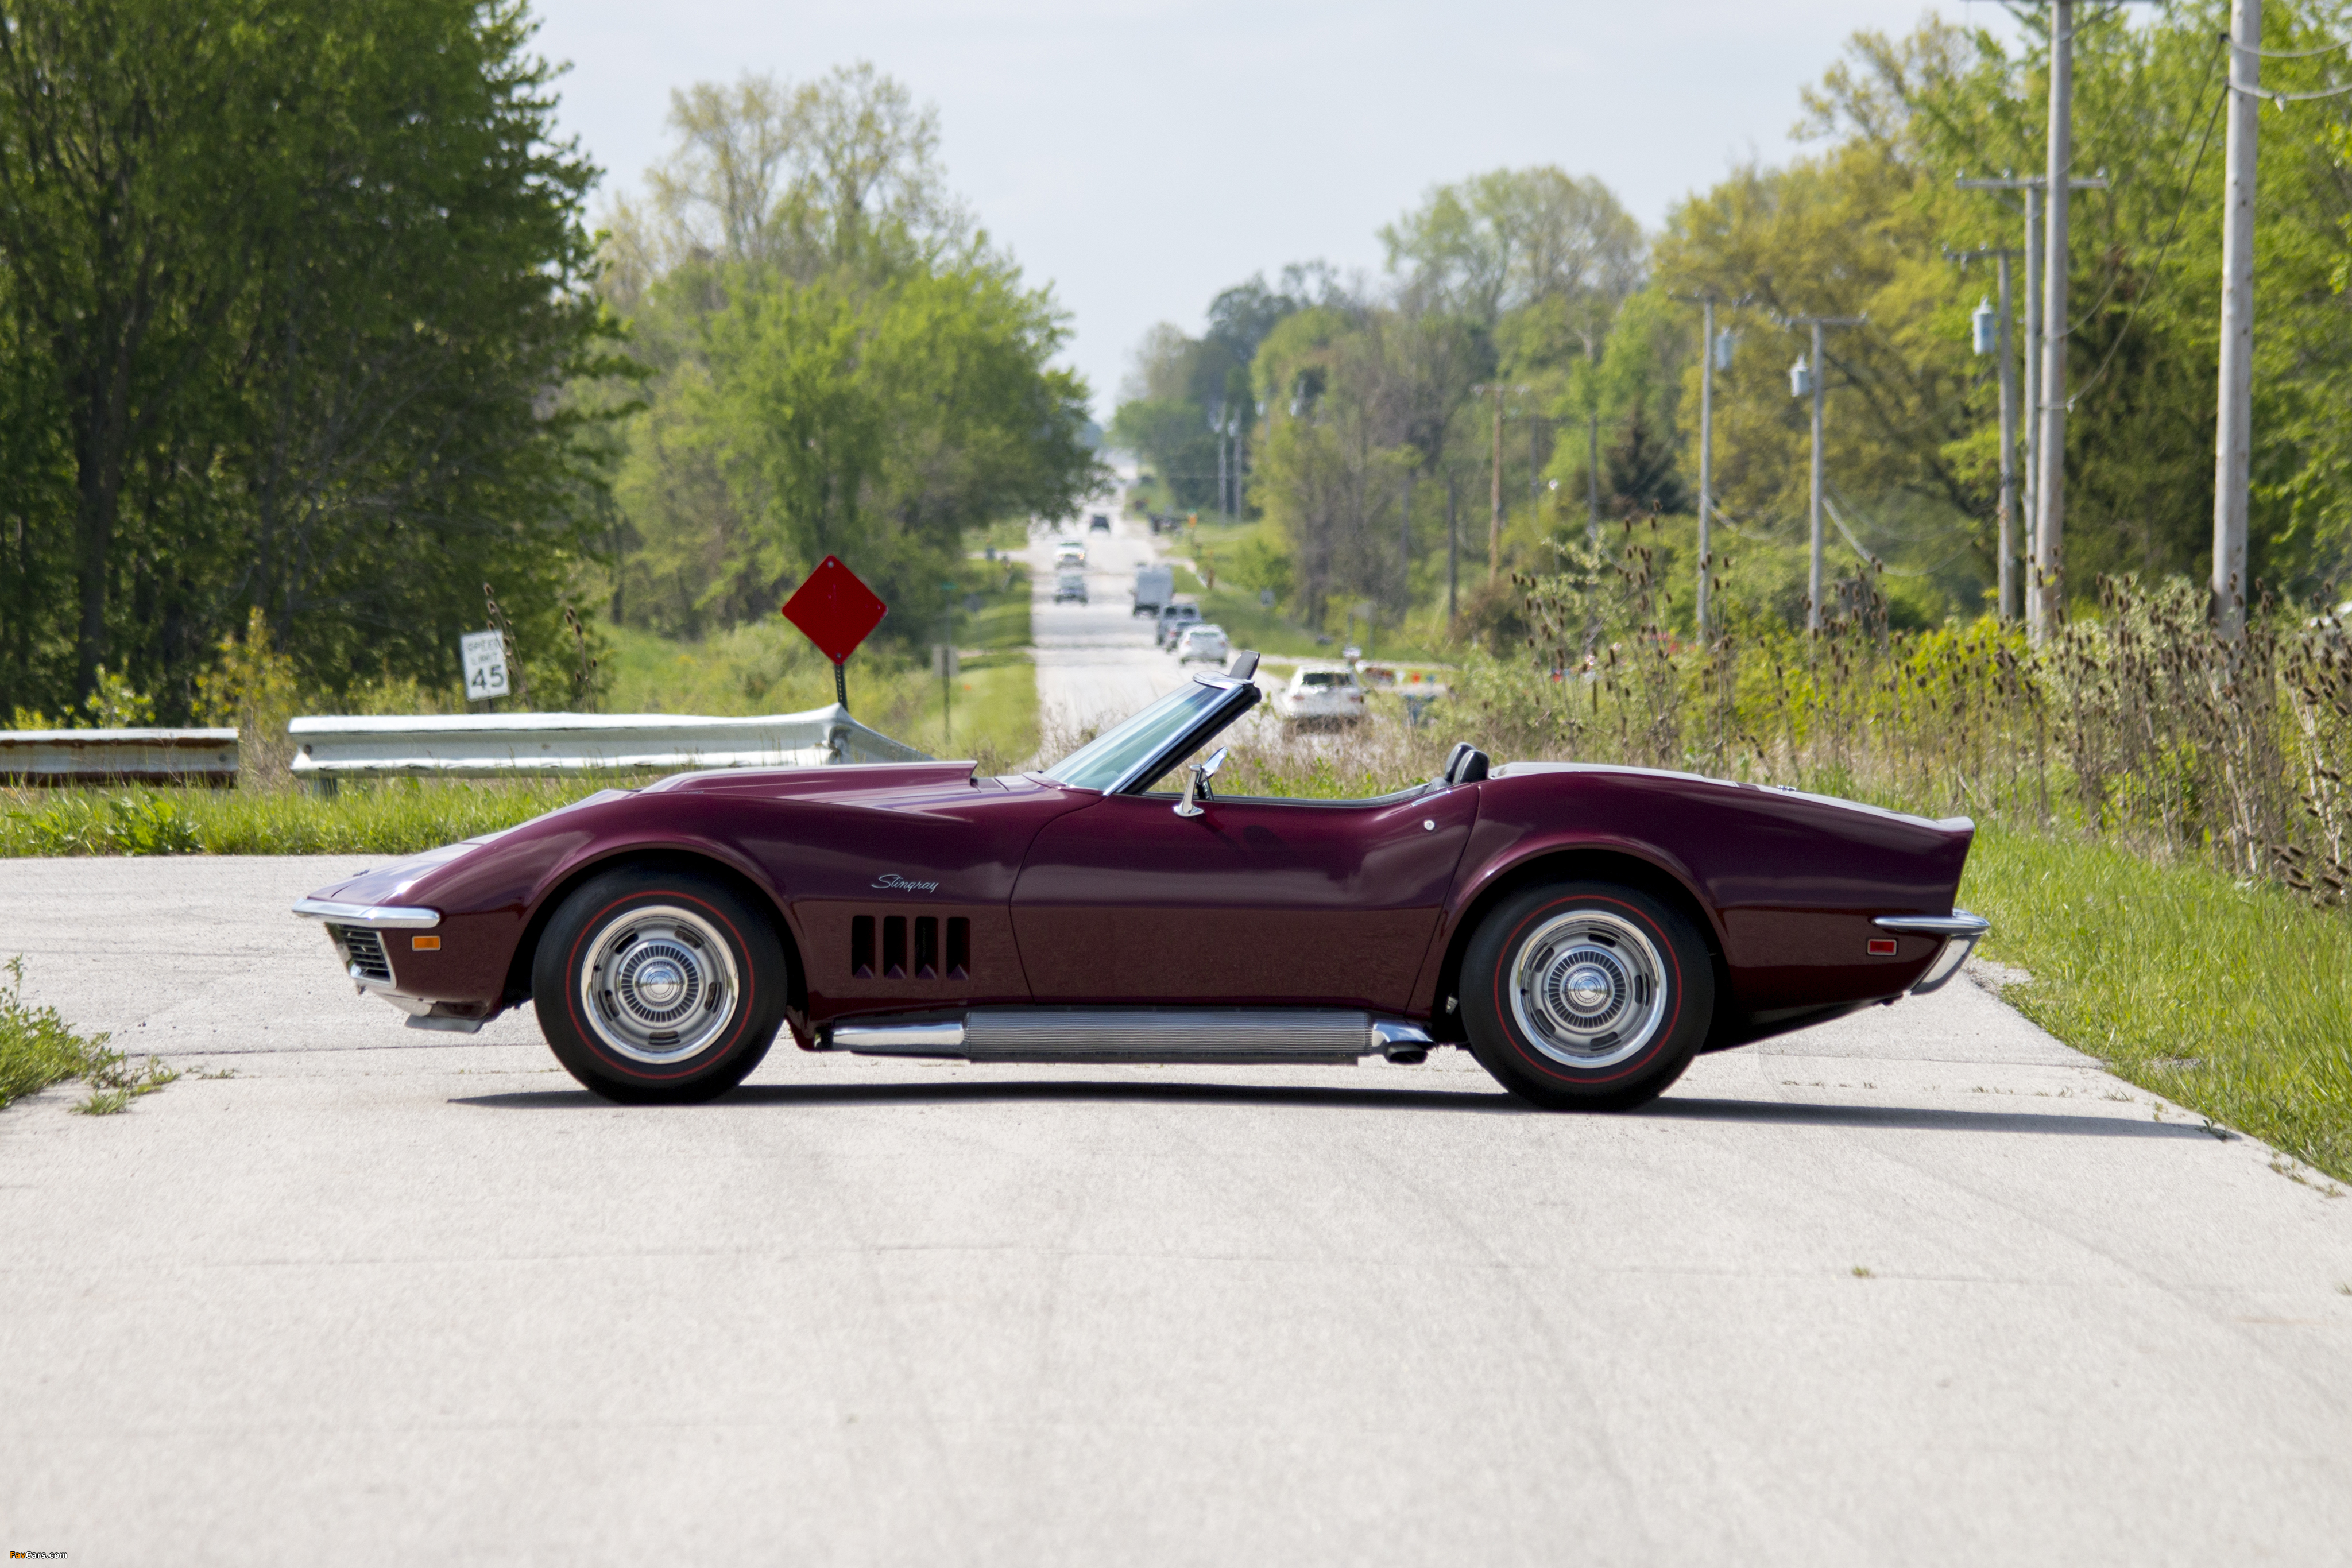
column 114, row 705
column 1535, row 281
column 1185, row 390
column 1257, row 564
column 1512, row 239
column 40, row 1049
column 1174, row 436
column 2122, row 955
column 284, row 290
column 837, row 364
column 252, row 688
column 392, row 817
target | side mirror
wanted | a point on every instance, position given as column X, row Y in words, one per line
column 1196, row 783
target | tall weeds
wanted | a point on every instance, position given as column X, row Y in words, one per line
column 2140, row 723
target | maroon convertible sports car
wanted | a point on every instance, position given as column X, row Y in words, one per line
column 1584, row 930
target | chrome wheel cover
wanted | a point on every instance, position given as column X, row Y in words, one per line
column 1588, row 989
column 659, row 985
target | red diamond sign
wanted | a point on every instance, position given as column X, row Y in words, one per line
column 833, row 610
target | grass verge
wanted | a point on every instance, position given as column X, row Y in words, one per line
column 2231, row 998
column 393, row 817
column 994, row 710
column 39, row 1050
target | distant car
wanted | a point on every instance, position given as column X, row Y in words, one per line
column 1099, row 524
column 1173, row 619
column 1327, row 695
column 1070, row 585
column 1070, row 552
column 1202, row 642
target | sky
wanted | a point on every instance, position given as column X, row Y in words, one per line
column 1140, row 155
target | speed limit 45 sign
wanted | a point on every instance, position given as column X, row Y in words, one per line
column 485, row 653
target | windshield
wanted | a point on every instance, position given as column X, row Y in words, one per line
column 1103, row 761
column 1325, row 678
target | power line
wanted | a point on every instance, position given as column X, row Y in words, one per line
column 2282, row 54
column 2287, row 97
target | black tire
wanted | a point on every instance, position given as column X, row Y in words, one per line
column 1585, row 996
column 674, row 955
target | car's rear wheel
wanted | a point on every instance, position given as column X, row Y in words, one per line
column 1586, row 996
column 657, row 987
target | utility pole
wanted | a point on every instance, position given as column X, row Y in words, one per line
column 2049, row 584
column 2233, row 432
column 1405, row 511
column 1452, row 550
column 1707, row 352
column 1494, row 519
column 1715, row 354
column 2006, row 575
column 2031, row 188
column 2031, row 491
column 1592, row 482
column 1815, row 379
column 1535, row 468
column 1220, row 428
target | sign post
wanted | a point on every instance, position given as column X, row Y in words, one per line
column 836, row 611
column 485, row 657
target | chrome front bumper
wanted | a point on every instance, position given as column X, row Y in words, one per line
column 1960, row 930
column 352, row 930
column 381, row 917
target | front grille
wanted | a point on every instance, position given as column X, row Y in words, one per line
column 362, row 949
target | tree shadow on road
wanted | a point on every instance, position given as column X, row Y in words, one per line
column 1489, row 1101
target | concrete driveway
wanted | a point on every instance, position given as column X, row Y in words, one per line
column 1918, row 1286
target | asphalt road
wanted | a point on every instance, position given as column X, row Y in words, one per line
column 1097, row 662
column 1918, row 1287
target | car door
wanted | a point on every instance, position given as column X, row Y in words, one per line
column 1253, row 901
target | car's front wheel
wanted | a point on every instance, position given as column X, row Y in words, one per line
column 1586, row 996
column 655, row 987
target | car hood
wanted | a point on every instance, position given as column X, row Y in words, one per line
column 907, row 787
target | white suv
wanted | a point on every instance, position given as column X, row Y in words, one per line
column 1323, row 694
column 1203, row 640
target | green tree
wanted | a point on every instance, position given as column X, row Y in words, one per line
column 290, row 294
column 838, row 361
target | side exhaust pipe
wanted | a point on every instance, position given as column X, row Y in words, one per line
column 1171, row 1035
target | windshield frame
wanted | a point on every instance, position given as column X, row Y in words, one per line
column 1238, row 696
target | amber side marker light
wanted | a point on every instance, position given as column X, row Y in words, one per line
column 433, row 944
column 1880, row 946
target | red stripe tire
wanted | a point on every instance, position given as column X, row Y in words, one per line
column 658, row 987
column 1586, row 996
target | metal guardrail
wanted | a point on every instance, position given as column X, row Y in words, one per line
column 68, row 757
column 485, row 746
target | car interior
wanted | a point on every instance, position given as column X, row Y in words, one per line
column 1158, row 752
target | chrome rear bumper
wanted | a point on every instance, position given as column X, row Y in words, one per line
column 1960, row 931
